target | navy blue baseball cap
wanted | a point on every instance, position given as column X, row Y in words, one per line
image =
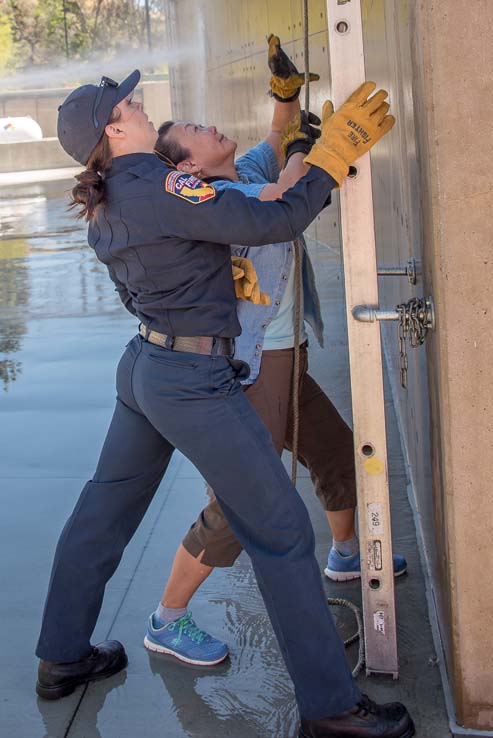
column 84, row 114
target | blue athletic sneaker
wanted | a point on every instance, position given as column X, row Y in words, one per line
column 183, row 639
column 344, row 568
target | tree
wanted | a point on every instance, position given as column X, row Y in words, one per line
column 26, row 30
column 6, row 43
column 37, row 28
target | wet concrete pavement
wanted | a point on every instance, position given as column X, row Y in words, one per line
column 62, row 331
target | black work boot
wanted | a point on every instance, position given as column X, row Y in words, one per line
column 366, row 720
column 57, row 680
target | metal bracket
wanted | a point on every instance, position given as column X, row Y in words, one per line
column 415, row 318
column 368, row 314
column 409, row 271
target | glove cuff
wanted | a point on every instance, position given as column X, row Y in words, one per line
column 285, row 99
column 286, row 89
column 301, row 146
column 329, row 161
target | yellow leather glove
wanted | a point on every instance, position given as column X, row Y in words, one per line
column 299, row 134
column 351, row 131
column 246, row 282
column 286, row 81
column 291, row 133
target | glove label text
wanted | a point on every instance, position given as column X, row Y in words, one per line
column 365, row 136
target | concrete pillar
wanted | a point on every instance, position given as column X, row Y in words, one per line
column 156, row 99
column 453, row 59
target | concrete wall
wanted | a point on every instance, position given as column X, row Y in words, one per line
column 453, row 58
column 432, row 196
column 42, row 105
column 30, row 155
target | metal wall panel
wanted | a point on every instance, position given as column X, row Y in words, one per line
column 398, row 232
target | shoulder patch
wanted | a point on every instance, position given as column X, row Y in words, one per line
column 188, row 187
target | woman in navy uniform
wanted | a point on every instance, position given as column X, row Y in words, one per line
column 164, row 236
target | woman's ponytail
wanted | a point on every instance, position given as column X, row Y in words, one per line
column 89, row 192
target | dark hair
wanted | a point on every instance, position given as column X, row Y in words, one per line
column 89, row 191
column 167, row 148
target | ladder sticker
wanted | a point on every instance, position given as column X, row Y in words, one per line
column 379, row 621
column 374, row 465
column 375, row 555
column 375, row 519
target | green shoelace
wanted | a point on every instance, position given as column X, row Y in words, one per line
column 186, row 625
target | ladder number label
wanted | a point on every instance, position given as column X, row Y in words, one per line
column 379, row 621
column 375, row 519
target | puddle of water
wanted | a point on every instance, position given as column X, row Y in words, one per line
column 46, row 267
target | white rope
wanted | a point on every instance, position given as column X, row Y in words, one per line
column 298, row 248
column 339, row 601
column 306, row 53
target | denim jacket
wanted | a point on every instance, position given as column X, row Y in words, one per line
column 255, row 169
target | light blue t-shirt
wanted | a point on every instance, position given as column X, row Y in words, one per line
column 279, row 333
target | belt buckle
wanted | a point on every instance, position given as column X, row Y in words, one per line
column 206, row 345
column 222, row 346
column 217, row 344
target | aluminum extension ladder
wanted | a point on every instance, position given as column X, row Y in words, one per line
column 360, row 274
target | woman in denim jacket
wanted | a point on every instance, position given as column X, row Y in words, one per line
column 266, row 343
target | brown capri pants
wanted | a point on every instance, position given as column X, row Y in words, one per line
column 325, row 448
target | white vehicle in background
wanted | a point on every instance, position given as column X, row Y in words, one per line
column 22, row 128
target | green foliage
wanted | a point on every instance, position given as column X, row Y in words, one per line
column 46, row 32
column 6, row 43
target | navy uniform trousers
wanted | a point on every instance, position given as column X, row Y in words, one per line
column 195, row 403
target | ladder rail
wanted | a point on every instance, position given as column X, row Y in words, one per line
column 361, row 286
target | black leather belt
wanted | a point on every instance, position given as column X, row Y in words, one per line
column 208, row 345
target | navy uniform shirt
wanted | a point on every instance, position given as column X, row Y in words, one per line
column 164, row 236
